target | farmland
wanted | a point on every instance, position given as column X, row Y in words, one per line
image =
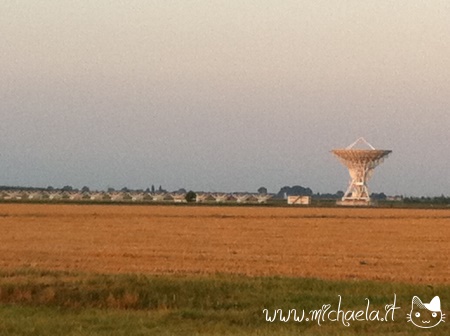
column 375, row 244
column 189, row 270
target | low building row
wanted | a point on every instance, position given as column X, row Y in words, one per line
column 102, row 196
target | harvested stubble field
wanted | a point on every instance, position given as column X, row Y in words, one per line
column 376, row 244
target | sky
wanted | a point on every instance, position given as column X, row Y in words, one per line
column 225, row 95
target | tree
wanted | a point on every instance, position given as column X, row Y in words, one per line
column 262, row 190
column 379, row 196
column 191, row 196
column 153, row 188
column 85, row 189
column 340, row 194
column 294, row 191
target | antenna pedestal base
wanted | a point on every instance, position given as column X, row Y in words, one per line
column 349, row 202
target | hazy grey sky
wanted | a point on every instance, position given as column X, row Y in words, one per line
column 223, row 95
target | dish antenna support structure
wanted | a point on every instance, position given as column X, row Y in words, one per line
column 361, row 164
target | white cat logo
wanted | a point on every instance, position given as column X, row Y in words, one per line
column 426, row 315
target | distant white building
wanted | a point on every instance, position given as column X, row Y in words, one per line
column 394, row 198
column 299, row 200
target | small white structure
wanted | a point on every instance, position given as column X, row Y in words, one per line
column 158, row 197
column 78, row 196
column 118, row 196
column 137, row 197
column 263, row 198
column 201, row 197
column 97, row 196
column 35, row 195
column 14, row 195
column 220, row 198
column 242, row 198
column 179, row 198
column 299, row 200
column 395, row 198
column 55, row 196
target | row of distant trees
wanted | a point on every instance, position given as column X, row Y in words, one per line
column 83, row 189
column 441, row 200
column 109, row 189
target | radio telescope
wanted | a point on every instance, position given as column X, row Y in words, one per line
column 361, row 164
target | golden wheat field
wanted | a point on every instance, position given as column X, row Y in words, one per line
column 331, row 243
